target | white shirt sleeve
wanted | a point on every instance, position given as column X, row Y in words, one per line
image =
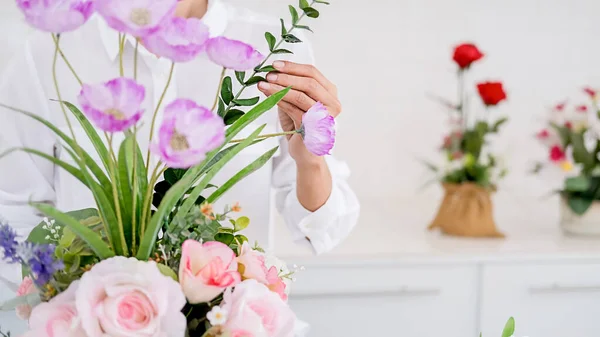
column 327, row 227
column 24, row 177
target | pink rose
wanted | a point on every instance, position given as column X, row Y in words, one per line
column 251, row 264
column 206, row 270
column 253, row 310
column 125, row 297
column 26, row 288
column 276, row 283
column 57, row 318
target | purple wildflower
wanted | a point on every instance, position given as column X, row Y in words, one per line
column 56, row 16
column 8, row 242
column 179, row 39
column 43, row 264
column 232, row 54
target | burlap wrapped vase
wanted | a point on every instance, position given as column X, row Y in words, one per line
column 466, row 210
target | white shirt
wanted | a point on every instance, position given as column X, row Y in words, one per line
column 93, row 52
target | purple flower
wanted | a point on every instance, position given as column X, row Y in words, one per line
column 139, row 18
column 179, row 39
column 113, row 106
column 56, row 16
column 42, row 263
column 318, row 130
column 187, row 133
column 232, row 54
column 8, row 242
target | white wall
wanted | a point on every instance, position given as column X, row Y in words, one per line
column 386, row 55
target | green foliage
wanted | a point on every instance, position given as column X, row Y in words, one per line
column 580, row 192
column 509, row 328
column 227, row 90
column 290, row 38
column 240, row 76
column 271, row 40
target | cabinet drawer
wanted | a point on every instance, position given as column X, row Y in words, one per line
column 372, row 301
column 546, row 300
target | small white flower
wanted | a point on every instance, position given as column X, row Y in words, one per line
column 53, row 231
column 302, row 268
column 47, row 237
column 217, row 316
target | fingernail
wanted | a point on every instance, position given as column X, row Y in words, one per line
column 263, row 85
column 278, row 65
column 272, row 77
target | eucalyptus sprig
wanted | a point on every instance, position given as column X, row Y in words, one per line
column 228, row 101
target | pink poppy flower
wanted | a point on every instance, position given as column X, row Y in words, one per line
column 56, row 16
column 232, row 54
column 179, row 39
column 318, row 130
column 187, row 133
column 113, row 106
column 139, row 18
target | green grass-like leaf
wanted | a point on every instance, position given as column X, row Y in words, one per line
column 243, row 173
column 509, row 328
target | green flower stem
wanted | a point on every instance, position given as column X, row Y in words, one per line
column 219, row 89
column 162, row 97
column 62, row 55
column 461, row 103
column 113, row 180
column 121, row 47
column 56, row 87
column 135, row 59
column 148, row 198
column 230, row 105
column 269, row 135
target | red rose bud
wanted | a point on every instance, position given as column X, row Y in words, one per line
column 568, row 125
column 491, row 93
column 466, row 54
column 557, row 154
column 544, row 134
column 582, row 108
column 560, row 106
column 591, row 92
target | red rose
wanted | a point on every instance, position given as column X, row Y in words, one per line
column 491, row 93
column 582, row 108
column 557, row 154
column 560, row 106
column 465, row 54
column 591, row 92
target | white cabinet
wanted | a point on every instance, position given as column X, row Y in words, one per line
column 549, row 300
column 365, row 300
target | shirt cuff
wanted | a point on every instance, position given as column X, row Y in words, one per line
column 323, row 229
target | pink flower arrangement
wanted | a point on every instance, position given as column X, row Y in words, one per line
column 27, row 287
column 139, row 18
column 318, row 130
column 251, row 264
column 232, row 54
column 187, row 133
column 56, row 16
column 113, row 106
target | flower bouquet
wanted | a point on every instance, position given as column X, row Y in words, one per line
column 572, row 143
column 470, row 175
column 154, row 258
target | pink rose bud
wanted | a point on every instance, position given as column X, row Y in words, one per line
column 27, row 287
column 251, row 264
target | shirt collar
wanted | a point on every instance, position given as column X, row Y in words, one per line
column 215, row 18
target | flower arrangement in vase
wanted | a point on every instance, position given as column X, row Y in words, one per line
column 155, row 259
column 471, row 173
column 572, row 141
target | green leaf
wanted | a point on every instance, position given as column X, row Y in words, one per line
column 32, row 300
column 167, row 271
column 304, row 27
column 178, row 190
column 266, row 69
column 283, row 29
column 241, row 223
column 311, row 12
column 282, row 51
column 243, row 173
column 232, row 116
column 226, row 230
column 580, row 153
column 294, row 14
column 579, row 205
column 132, row 150
column 125, row 187
column 290, row 38
column 241, row 238
column 225, row 238
column 38, row 234
column 240, row 76
column 254, row 80
column 92, row 238
column 509, row 328
column 564, row 133
column 482, row 128
column 304, row 4
column 498, row 124
column 221, row 109
column 246, row 101
column 67, row 238
column 322, row 2
column 577, row 184
column 174, row 175
column 271, row 40
column 227, row 90
column 91, row 133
